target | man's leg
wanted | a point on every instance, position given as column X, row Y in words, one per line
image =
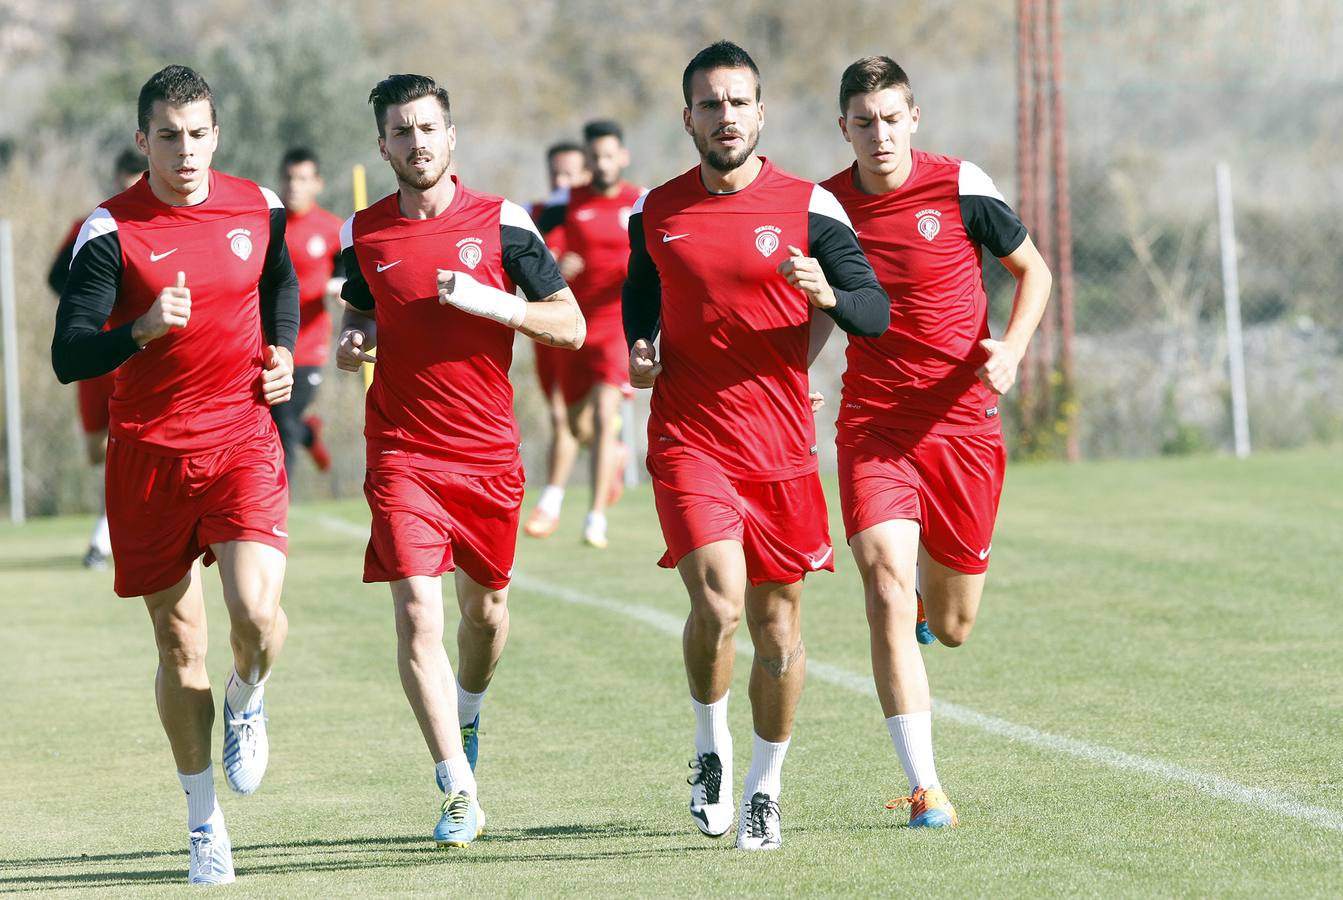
column 886, row 555
column 715, row 578
column 605, row 401
column 481, row 634
column 186, row 709
column 100, row 541
column 950, row 598
column 426, row 677
column 288, row 416
column 559, row 465
column 774, row 617
column 252, row 574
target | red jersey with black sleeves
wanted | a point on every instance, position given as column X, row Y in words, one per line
column 197, row 388
column 924, row 241
column 703, row 273
column 313, row 238
column 441, row 396
column 596, row 227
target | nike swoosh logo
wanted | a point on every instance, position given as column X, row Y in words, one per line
column 984, row 554
column 382, row 268
column 275, row 530
column 668, row 238
column 701, row 815
column 155, row 257
column 817, row 563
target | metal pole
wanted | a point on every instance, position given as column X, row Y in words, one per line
column 1026, row 170
column 13, row 412
column 1235, row 344
column 1063, row 226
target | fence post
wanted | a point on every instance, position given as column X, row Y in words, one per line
column 1235, row 344
column 13, row 411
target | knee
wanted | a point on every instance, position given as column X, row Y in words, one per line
column 889, row 594
column 181, row 646
column 952, row 630
column 716, row 617
column 487, row 614
column 417, row 626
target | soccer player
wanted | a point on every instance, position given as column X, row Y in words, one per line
column 95, row 393
column 730, row 262
column 313, row 238
column 566, row 167
column 189, row 268
column 921, row 454
column 430, row 272
column 593, row 221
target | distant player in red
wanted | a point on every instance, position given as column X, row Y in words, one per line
column 313, row 237
column 430, row 278
column 921, row 454
column 95, row 393
column 593, row 226
column 731, row 263
column 566, row 167
column 189, row 269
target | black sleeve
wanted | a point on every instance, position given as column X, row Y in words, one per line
column 992, row 224
column 861, row 306
column 80, row 348
column 641, row 297
column 355, row 291
column 525, row 257
column 278, row 288
column 60, row 268
column 552, row 217
column 338, row 263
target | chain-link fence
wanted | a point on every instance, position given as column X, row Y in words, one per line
column 1156, row 94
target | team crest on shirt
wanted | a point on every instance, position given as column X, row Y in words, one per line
column 929, row 225
column 316, row 246
column 240, row 242
column 469, row 252
column 767, row 239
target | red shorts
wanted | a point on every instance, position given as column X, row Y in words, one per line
column 949, row 483
column 548, row 361
column 782, row 526
column 164, row 511
column 94, row 395
column 603, row 359
column 430, row 521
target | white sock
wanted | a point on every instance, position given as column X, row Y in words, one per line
column 766, row 774
column 200, row 791
column 242, row 696
column 912, row 735
column 455, row 775
column 711, row 734
column 551, row 500
column 595, row 521
column 468, row 705
column 101, row 539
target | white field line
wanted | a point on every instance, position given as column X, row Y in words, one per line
column 1213, row 785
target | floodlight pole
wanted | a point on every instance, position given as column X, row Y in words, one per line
column 1235, row 344
column 13, row 411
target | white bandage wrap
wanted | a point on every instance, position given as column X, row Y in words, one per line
column 478, row 299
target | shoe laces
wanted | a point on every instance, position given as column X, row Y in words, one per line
column 246, row 727
column 708, row 774
column 203, row 848
column 918, row 802
column 469, row 731
column 457, row 806
column 762, row 818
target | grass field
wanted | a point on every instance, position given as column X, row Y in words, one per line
column 1151, row 705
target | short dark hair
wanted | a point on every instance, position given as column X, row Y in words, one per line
column 600, row 128
column 872, row 73
column 176, row 86
column 559, row 147
column 720, row 55
column 129, row 162
column 295, row 155
column 397, row 89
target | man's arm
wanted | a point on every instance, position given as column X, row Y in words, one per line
column 60, row 268
column 551, row 315
column 641, row 296
column 278, row 286
column 358, row 330
column 80, row 348
column 837, row 277
column 995, row 226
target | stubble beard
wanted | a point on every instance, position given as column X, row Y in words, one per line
column 724, row 160
column 420, row 181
